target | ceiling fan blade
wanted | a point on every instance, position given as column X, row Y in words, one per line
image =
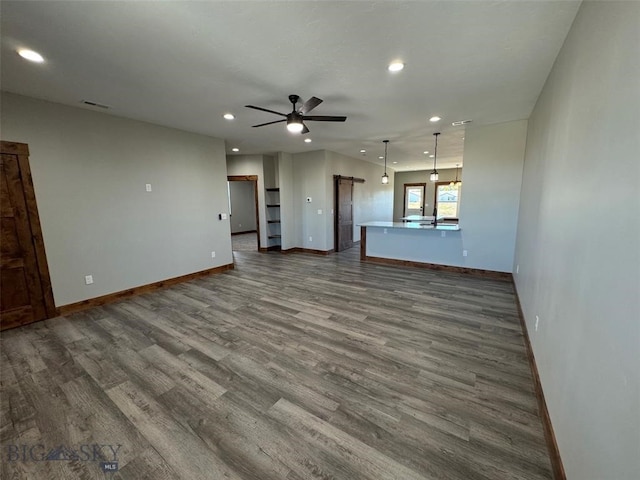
column 265, row 110
column 310, row 104
column 324, row 118
column 269, row 123
column 305, row 129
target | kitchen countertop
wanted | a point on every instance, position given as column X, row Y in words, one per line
column 411, row 225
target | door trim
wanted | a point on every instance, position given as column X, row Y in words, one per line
column 21, row 151
column 254, row 179
column 404, row 196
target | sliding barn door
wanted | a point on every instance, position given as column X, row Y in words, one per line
column 25, row 289
column 344, row 213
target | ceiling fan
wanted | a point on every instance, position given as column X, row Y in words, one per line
column 295, row 119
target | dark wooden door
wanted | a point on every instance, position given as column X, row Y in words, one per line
column 344, row 207
column 25, row 289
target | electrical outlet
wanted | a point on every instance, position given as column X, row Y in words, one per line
column 517, row 268
column 537, row 320
column 213, row 254
column 464, row 253
column 443, row 234
column 384, row 230
column 148, row 187
column 319, row 212
column 88, row 279
column 310, row 238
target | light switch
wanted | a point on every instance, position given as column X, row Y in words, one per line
column 319, row 211
column 88, row 279
column 222, row 216
column 148, row 187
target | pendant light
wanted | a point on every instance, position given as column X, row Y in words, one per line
column 434, row 173
column 385, row 177
column 457, row 182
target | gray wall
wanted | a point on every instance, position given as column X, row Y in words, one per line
column 493, row 159
column 313, row 177
column 578, row 246
column 420, row 176
column 371, row 200
column 310, row 171
column 291, row 236
column 89, row 172
column 243, row 206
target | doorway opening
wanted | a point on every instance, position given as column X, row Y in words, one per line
column 243, row 212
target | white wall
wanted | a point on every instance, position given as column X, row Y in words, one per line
column 493, row 159
column 243, row 206
column 89, row 172
column 578, row 245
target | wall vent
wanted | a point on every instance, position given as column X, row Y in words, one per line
column 461, row 122
column 95, row 104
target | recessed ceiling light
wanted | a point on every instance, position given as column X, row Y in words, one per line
column 395, row 66
column 363, row 151
column 430, row 156
column 235, row 149
column 30, row 55
column 380, row 158
column 435, row 119
column 229, row 116
column 395, row 162
column 307, row 140
column 426, row 152
column 460, row 122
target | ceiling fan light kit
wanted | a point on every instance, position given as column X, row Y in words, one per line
column 294, row 123
column 295, row 120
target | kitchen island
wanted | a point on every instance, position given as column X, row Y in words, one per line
column 417, row 243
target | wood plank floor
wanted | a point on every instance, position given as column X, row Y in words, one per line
column 288, row 367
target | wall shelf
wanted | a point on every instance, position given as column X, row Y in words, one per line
column 273, row 218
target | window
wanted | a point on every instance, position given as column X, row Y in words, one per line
column 447, row 199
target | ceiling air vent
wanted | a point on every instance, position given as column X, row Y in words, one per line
column 461, row 122
column 94, row 104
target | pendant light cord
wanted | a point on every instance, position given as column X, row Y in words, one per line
column 435, row 152
column 386, row 143
column 435, row 204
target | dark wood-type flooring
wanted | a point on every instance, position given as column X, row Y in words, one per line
column 288, row 367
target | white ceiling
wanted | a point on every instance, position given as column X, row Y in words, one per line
column 184, row 64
